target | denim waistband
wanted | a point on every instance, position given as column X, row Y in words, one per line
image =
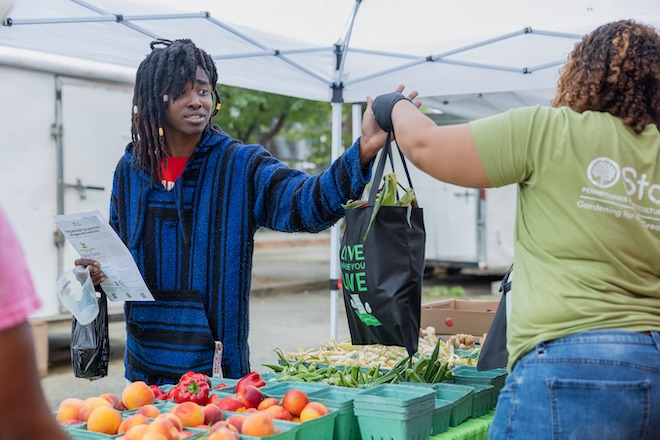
column 614, row 336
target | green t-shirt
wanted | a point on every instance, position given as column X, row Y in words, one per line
column 587, row 234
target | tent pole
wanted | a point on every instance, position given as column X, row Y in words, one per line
column 334, row 231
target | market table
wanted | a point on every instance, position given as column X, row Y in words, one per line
column 471, row 429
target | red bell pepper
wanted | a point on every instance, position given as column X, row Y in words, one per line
column 194, row 375
column 251, row 378
column 160, row 394
column 191, row 389
column 214, row 399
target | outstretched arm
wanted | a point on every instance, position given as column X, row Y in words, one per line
column 447, row 153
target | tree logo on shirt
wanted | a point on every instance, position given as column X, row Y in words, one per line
column 603, row 172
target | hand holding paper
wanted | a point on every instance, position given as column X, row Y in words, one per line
column 93, row 238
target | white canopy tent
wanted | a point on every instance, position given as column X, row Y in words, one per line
column 469, row 58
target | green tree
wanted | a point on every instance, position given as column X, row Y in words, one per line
column 259, row 117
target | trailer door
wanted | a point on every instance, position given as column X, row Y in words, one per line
column 95, row 129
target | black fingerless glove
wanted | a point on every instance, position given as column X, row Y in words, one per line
column 382, row 108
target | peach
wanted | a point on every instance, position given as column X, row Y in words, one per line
column 137, row 394
column 104, row 419
column 294, row 401
column 259, row 424
column 313, row 410
column 190, row 413
column 223, row 434
column 69, row 410
column 186, row 434
column 236, row 421
column 131, row 421
column 135, row 432
column 223, row 424
column 268, row 401
column 231, row 403
column 163, row 427
column 156, row 436
column 114, row 400
column 149, row 410
column 251, row 396
column 174, row 420
column 278, row 412
column 89, row 405
column 212, row 414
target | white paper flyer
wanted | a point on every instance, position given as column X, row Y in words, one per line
column 93, row 238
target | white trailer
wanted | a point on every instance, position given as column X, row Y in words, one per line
column 466, row 228
column 64, row 127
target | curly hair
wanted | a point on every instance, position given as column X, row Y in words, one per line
column 166, row 70
column 615, row 69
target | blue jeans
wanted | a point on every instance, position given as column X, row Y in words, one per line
column 602, row 385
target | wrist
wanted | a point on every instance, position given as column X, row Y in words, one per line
column 382, row 108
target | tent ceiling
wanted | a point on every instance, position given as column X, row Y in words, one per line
column 289, row 46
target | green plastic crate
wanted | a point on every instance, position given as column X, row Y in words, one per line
column 482, row 401
column 399, row 398
column 279, row 389
column 340, row 400
column 380, row 425
column 468, row 375
column 81, row 433
column 441, row 416
column 321, row 428
column 227, row 386
column 287, row 430
column 462, row 397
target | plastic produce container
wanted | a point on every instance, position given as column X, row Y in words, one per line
column 340, row 400
column 321, row 428
column 482, row 401
column 279, row 389
column 441, row 416
column 229, row 385
column 287, row 430
column 468, row 375
column 461, row 397
column 394, row 412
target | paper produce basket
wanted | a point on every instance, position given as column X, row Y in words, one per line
column 321, row 428
column 81, row 433
column 279, row 389
column 223, row 385
column 286, row 430
column 482, row 401
column 382, row 425
column 461, row 397
column 393, row 397
column 441, row 416
column 340, row 399
column 394, row 412
column 468, row 375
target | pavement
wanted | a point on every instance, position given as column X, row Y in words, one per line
column 290, row 308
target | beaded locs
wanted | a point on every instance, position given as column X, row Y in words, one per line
column 165, row 71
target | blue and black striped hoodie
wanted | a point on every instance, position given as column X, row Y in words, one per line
column 194, row 246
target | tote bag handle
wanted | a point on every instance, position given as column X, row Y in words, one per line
column 380, row 167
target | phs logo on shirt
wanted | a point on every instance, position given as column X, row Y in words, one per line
column 604, row 173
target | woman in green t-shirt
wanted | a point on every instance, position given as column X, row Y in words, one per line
column 584, row 330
